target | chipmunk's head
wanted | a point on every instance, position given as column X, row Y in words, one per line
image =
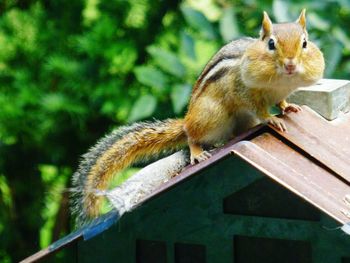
column 283, row 55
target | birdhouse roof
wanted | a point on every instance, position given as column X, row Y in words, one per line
column 311, row 159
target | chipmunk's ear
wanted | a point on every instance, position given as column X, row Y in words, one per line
column 302, row 19
column 266, row 27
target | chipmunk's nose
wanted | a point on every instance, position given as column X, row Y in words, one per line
column 290, row 65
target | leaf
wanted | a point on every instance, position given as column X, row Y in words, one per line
column 5, row 191
column 143, row 107
column 122, row 57
column 199, row 22
column 180, row 95
column 317, row 21
column 150, row 76
column 61, row 65
column 280, row 10
column 187, row 45
column 333, row 54
column 167, row 61
column 228, row 25
column 342, row 37
column 54, row 102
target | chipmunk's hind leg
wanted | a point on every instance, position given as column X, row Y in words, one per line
column 197, row 153
column 244, row 120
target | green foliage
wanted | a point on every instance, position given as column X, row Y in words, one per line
column 72, row 70
column 180, row 95
column 143, row 108
column 199, row 22
column 167, row 61
column 55, row 181
column 228, row 25
column 151, row 77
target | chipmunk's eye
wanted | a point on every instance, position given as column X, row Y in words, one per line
column 304, row 43
column 271, row 44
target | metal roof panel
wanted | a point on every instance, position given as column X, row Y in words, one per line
column 297, row 173
column 321, row 139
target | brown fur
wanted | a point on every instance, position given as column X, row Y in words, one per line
column 234, row 92
column 252, row 85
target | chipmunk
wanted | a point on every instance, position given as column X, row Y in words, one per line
column 233, row 93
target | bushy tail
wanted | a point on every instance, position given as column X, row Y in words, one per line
column 115, row 152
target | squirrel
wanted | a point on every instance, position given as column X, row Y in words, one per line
column 233, row 93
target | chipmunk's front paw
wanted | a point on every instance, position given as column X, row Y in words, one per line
column 277, row 123
column 288, row 107
column 291, row 107
column 196, row 158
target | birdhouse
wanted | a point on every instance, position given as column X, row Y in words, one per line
column 267, row 196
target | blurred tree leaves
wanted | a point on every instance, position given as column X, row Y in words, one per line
column 180, row 95
column 199, row 22
column 280, row 11
column 228, row 25
column 143, row 108
column 187, row 46
column 167, row 61
column 72, row 70
column 151, row 76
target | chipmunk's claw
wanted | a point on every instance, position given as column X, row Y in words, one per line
column 291, row 107
column 204, row 155
column 277, row 123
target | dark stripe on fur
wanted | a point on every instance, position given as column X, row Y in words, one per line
column 218, row 75
column 208, row 69
column 232, row 50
